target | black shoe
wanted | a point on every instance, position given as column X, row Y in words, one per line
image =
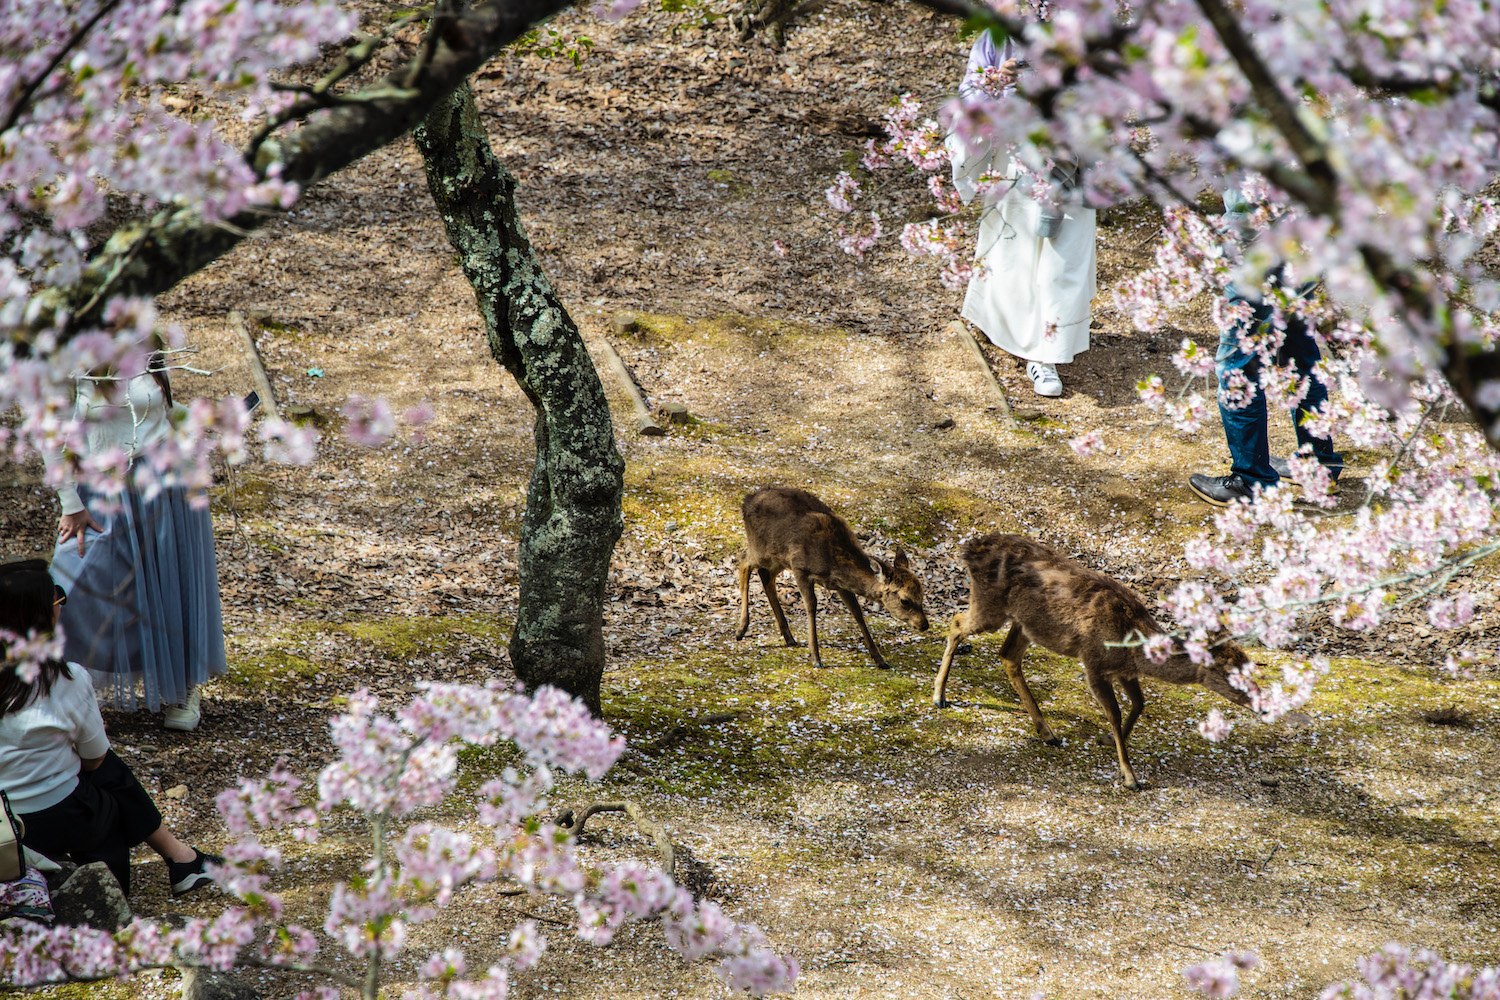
column 1284, row 470
column 186, row 876
column 1221, row 491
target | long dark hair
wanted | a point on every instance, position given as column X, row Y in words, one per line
column 156, row 366
column 26, row 596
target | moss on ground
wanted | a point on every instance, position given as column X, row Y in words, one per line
column 399, row 638
column 271, row 670
column 283, row 658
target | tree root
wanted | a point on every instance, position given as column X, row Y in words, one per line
column 644, row 823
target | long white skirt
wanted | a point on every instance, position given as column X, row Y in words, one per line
column 1033, row 299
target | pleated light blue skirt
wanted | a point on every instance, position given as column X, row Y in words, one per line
column 143, row 599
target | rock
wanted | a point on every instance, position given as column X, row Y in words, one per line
column 57, row 877
column 677, row 413
column 92, row 897
column 301, row 411
column 1027, row 413
column 1297, row 719
column 944, row 424
column 625, row 324
column 1270, row 782
column 204, row 984
column 176, row 792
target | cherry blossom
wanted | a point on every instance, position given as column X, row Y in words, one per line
column 388, row 766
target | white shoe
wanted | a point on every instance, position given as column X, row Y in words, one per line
column 184, row 716
column 1044, row 378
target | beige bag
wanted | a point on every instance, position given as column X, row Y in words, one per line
column 12, row 854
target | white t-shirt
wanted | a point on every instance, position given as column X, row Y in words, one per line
column 41, row 742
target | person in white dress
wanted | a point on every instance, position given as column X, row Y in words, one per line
column 138, row 567
column 1032, row 296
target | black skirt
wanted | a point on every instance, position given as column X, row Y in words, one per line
column 100, row 820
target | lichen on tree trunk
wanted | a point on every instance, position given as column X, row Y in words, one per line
column 573, row 514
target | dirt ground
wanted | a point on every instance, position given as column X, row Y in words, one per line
column 897, row 850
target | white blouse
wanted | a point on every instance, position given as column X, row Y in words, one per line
column 129, row 425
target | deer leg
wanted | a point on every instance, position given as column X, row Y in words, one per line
column 1104, row 694
column 957, row 632
column 1137, row 703
column 810, row 600
column 1011, row 652
column 852, row 603
column 1137, row 697
column 768, row 584
column 739, row 633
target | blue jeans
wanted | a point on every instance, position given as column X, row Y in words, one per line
column 1245, row 428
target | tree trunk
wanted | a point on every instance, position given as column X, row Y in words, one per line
column 573, row 505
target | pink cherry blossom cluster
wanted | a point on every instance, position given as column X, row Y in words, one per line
column 25, row 654
column 388, row 766
column 1220, row 977
column 1429, row 514
column 94, row 110
column 92, row 104
column 1395, row 972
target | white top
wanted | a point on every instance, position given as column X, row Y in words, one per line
column 130, row 425
column 42, row 742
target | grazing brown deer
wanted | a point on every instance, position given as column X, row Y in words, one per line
column 791, row 529
column 1074, row 611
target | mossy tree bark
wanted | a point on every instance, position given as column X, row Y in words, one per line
column 573, row 515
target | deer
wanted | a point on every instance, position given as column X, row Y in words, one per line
column 790, row 529
column 1054, row 602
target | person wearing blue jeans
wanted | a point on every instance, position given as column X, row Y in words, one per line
column 1245, row 427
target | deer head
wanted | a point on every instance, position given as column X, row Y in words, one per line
column 899, row 590
column 1229, row 659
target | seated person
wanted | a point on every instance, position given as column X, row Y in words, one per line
column 76, row 798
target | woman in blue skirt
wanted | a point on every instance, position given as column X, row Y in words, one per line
column 138, row 567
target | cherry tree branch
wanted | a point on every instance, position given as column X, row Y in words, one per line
column 181, row 242
column 23, row 99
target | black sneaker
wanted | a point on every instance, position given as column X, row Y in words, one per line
column 1221, row 491
column 186, row 876
column 1284, row 470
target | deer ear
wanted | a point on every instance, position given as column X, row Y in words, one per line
column 900, row 561
column 878, row 568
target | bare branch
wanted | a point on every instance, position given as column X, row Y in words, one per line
column 644, row 823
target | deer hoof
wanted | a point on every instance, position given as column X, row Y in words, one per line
column 1055, row 741
column 941, row 703
column 1135, row 785
column 739, row 635
column 882, row 665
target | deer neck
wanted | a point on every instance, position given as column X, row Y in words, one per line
column 855, row 575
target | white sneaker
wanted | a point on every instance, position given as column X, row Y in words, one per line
column 1044, row 378
column 184, row 716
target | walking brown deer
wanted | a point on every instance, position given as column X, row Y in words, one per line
column 791, row 529
column 1064, row 606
